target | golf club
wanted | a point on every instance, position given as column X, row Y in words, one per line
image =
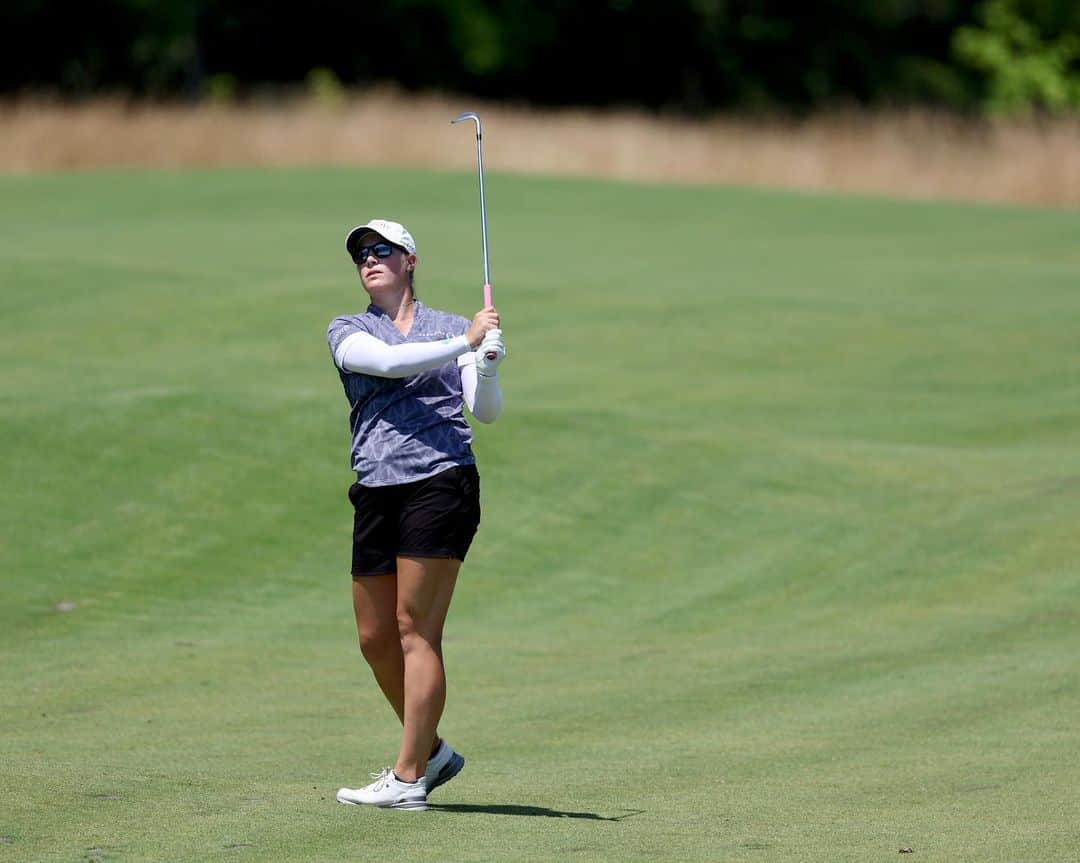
column 469, row 115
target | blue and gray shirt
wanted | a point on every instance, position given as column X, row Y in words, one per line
column 404, row 429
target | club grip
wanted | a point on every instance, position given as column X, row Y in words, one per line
column 487, row 302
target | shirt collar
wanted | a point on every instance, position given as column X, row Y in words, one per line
column 373, row 309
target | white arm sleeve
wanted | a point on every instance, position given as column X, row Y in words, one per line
column 363, row 353
column 482, row 395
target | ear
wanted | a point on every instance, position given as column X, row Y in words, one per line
column 410, row 263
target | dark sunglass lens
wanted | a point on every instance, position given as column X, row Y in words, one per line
column 379, row 250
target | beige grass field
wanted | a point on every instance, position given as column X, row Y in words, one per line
column 910, row 154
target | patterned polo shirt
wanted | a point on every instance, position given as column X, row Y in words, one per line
column 404, row 429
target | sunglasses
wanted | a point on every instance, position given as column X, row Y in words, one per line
column 379, row 250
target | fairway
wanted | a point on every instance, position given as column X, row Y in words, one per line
column 779, row 561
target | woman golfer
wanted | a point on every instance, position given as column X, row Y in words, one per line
column 407, row 369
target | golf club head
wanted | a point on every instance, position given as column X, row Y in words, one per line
column 468, row 115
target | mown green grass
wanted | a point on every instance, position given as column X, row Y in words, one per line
column 779, row 558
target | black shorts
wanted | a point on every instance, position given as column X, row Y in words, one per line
column 433, row 517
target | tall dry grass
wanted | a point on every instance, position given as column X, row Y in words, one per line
column 910, row 154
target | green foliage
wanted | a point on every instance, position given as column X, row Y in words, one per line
column 1022, row 70
column 221, row 89
column 684, row 55
column 922, row 80
column 478, row 36
column 325, row 88
column 165, row 50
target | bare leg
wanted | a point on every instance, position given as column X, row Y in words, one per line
column 375, row 605
column 425, row 588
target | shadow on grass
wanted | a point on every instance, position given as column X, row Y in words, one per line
column 529, row 811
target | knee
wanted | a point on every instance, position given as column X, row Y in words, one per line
column 377, row 643
column 406, row 628
column 415, row 634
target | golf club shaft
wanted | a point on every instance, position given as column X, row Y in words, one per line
column 483, row 214
column 469, row 115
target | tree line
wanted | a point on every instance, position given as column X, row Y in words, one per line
column 687, row 56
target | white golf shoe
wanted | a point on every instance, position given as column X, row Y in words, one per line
column 443, row 766
column 387, row 792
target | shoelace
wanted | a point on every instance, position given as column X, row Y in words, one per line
column 382, row 779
